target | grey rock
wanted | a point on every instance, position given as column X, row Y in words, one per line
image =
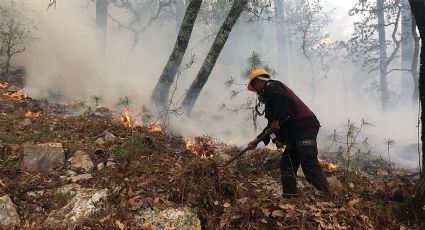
column 81, row 161
column 100, row 142
column 110, row 164
column 9, row 217
column 100, row 166
column 171, row 218
column 109, row 137
column 80, row 177
column 70, row 173
column 221, row 158
column 25, row 122
column 103, row 112
column 42, row 157
column 87, row 203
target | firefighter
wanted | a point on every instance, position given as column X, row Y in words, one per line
column 296, row 127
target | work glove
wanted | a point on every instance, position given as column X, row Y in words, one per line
column 266, row 140
column 253, row 144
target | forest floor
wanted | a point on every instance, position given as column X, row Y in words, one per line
column 144, row 171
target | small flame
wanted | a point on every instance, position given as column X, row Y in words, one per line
column 30, row 114
column 155, row 128
column 328, row 166
column 200, row 146
column 127, row 120
column 188, row 144
column 4, row 85
column 19, row 95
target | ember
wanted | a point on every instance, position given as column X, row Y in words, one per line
column 127, row 120
column 19, row 95
column 4, row 85
column 155, row 128
column 31, row 114
column 329, row 167
column 200, row 146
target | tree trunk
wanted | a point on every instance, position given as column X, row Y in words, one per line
column 7, row 62
column 161, row 92
column 418, row 10
column 209, row 62
column 414, row 65
column 7, row 68
column 282, row 41
column 406, row 51
column 383, row 67
column 102, row 18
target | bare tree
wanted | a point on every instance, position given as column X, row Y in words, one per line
column 161, row 92
column 418, row 10
column 215, row 50
column 370, row 45
column 102, row 18
column 13, row 34
column 136, row 9
column 383, row 67
column 407, row 49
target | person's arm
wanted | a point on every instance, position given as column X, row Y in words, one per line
column 266, row 140
column 277, row 99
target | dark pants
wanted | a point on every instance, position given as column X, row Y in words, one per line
column 302, row 150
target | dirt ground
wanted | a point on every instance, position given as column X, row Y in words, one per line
column 156, row 170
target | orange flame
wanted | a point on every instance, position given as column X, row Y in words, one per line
column 127, row 120
column 188, row 144
column 4, row 85
column 328, row 166
column 200, row 146
column 19, row 95
column 155, row 128
column 30, row 114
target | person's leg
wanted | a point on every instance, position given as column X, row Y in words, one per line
column 289, row 165
column 307, row 152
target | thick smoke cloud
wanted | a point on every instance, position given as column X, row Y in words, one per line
column 66, row 61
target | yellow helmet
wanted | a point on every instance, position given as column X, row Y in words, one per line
column 254, row 74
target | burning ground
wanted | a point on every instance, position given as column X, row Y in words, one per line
column 104, row 172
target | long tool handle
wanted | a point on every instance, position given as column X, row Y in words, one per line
column 258, row 140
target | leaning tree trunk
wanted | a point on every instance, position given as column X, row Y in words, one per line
column 161, row 92
column 7, row 63
column 383, row 67
column 406, row 51
column 415, row 62
column 102, row 18
column 418, row 10
column 209, row 62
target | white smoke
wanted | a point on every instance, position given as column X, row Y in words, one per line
column 65, row 61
